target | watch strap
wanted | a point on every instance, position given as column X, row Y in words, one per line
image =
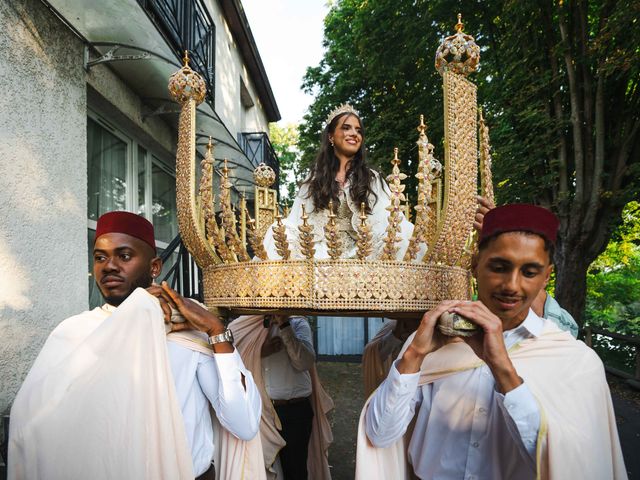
column 225, row 336
column 284, row 325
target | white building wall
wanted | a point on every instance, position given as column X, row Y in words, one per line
column 43, row 187
column 229, row 69
column 43, row 212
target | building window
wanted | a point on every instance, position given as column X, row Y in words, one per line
column 107, row 167
column 163, row 203
column 122, row 174
column 245, row 96
column 142, row 169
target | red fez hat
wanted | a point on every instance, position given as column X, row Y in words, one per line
column 126, row 222
column 520, row 217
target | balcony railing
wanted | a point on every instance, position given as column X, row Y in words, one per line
column 183, row 275
column 187, row 25
column 619, row 353
column 257, row 147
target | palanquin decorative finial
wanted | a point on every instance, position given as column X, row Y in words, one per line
column 458, row 53
column 394, row 220
column 433, row 267
column 334, row 244
column 264, row 175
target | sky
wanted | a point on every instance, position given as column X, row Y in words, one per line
column 288, row 34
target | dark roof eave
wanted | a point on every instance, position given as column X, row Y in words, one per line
column 239, row 26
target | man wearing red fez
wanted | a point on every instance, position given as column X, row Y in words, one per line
column 147, row 386
column 520, row 399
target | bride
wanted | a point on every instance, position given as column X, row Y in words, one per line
column 340, row 175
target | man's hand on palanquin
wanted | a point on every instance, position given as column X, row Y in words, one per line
column 165, row 305
column 488, row 344
column 196, row 317
column 484, row 206
column 425, row 340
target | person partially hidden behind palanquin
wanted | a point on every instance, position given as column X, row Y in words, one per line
column 520, row 399
column 294, row 429
column 341, row 177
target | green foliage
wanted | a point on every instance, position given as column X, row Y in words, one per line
column 379, row 57
column 613, row 281
column 285, row 143
column 558, row 82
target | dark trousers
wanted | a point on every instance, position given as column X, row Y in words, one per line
column 296, row 421
column 209, row 474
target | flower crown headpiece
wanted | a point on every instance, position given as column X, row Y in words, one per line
column 340, row 109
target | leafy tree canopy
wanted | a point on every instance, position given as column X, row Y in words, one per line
column 558, row 82
column 285, row 143
column 613, row 299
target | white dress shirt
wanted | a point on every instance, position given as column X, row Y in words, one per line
column 286, row 372
column 462, row 423
column 201, row 381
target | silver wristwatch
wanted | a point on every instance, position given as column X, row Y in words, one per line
column 225, row 336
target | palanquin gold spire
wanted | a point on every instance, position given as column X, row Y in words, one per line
column 486, row 179
column 368, row 284
column 306, row 236
column 363, row 244
column 334, row 244
column 280, row 237
column 188, row 88
column 420, row 229
column 229, row 221
column 397, row 197
column 486, row 189
column 214, row 235
column 255, row 240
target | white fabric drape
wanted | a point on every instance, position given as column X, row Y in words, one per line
column 375, row 324
column 99, row 402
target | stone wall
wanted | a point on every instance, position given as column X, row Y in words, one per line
column 43, row 212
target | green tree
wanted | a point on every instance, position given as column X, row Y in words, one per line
column 375, row 53
column 285, row 143
column 558, row 82
column 613, row 280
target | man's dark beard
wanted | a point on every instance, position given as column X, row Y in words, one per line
column 144, row 281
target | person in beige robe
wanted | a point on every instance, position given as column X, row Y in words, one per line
column 111, row 395
column 250, row 334
column 382, row 350
column 520, row 399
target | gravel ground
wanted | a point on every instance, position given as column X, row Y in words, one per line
column 343, row 381
column 620, row 388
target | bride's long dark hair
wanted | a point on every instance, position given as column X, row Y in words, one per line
column 322, row 183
